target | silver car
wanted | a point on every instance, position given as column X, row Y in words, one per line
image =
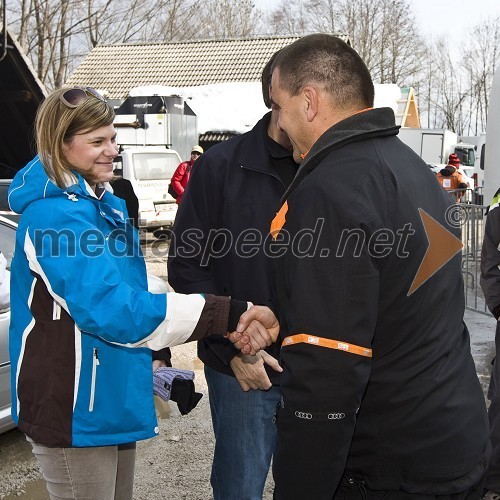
column 7, row 244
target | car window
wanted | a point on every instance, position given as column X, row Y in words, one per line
column 7, row 242
column 4, row 188
column 154, row 166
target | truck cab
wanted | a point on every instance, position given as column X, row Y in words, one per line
column 466, row 153
column 149, row 170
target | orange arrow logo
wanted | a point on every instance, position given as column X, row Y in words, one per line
column 443, row 246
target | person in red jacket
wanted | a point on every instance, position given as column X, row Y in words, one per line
column 183, row 171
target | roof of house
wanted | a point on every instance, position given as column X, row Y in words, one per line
column 118, row 68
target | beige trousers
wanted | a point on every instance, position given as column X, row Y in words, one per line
column 94, row 473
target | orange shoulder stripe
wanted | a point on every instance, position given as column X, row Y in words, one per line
column 302, row 338
column 279, row 221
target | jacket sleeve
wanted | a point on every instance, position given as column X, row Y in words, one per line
column 330, row 313
column 490, row 260
column 87, row 281
column 179, row 174
column 197, row 219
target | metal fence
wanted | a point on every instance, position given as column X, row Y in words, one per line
column 471, row 215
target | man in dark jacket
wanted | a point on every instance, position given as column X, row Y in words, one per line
column 490, row 283
column 380, row 394
column 220, row 242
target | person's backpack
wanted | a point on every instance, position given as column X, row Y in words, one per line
column 172, row 192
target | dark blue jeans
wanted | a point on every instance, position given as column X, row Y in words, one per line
column 245, row 437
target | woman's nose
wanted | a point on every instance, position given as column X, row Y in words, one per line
column 112, row 150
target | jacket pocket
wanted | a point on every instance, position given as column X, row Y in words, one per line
column 95, row 364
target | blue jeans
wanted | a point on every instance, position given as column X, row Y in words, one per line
column 245, row 437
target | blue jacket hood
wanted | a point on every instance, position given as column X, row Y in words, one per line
column 32, row 183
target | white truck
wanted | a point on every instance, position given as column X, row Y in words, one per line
column 149, row 170
column 151, row 132
column 435, row 145
column 479, row 142
column 491, row 154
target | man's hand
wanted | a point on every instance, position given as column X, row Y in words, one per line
column 257, row 329
column 250, row 372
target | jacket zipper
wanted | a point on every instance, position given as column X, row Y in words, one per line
column 56, row 311
column 95, row 364
column 272, row 174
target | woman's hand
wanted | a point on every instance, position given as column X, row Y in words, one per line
column 257, row 329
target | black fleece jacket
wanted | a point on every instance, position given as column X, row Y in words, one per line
column 411, row 416
column 234, row 192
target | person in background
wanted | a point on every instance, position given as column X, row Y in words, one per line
column 83, row 323
column 490, row 284
column 451, row 179
column 236, row 188
column 182, row 173
column 380, row 393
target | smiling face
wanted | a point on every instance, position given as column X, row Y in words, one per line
column 91, row 154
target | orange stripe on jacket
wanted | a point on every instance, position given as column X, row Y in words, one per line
column 302, row 338
column 279, row 221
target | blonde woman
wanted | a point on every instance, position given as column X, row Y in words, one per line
column 83, row 323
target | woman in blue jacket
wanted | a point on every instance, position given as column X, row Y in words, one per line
column 83, row 323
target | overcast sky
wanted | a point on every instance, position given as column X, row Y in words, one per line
column 451, row 17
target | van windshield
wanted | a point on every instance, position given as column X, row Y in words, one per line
column 154, row 166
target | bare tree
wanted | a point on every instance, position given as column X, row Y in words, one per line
column 228, row 19
column 449, row 94
column 383, row 32
column 56, row 34
column 481, row 58
column 453, row 89
column 291, row 17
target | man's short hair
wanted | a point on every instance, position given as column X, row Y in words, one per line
column 266, row 80
column 328, row 61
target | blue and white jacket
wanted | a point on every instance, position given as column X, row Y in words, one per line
column 83, row 323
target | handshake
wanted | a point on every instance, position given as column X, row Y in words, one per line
column 257, row 329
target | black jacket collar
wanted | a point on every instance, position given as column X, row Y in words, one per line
column 378, row 122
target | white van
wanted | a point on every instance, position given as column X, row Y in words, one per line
column 490, row 156
column 149, row 170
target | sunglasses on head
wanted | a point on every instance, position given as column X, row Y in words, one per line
column 72, row 98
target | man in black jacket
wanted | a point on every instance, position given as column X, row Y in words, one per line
column 220, row 243
column 380, row 394
column 490, row 283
